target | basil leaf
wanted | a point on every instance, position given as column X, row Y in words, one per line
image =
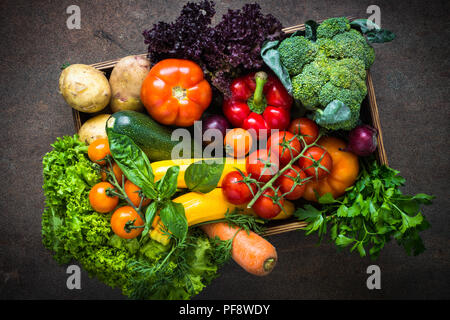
column 203, row 176
column 373, row 32
column 173, row 217
column 335, row 112
column 133, row 162
column 167, row 186
column 271, row 56
column 150, row 214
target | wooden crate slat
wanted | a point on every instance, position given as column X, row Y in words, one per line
column 288, row 225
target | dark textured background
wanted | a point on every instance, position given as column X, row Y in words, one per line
column 411, row 80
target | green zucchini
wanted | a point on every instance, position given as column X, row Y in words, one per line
column 154, row 139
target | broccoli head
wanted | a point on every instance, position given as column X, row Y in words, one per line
column 333, row 26
column 352, row 44
column 295, row 52
column 331, row 68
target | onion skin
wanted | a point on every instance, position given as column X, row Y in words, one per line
column 215, row 122
column 362, row 140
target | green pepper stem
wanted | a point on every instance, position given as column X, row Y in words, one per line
column 261, row 79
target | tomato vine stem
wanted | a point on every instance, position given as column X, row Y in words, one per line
column 270, row 183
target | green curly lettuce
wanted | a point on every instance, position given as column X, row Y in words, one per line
column 73, row 231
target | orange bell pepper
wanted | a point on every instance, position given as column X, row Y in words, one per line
column 343, row 174
column 175, row 92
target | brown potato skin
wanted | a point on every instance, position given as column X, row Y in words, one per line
column 93, row 129
column 84, row 88
column 126, row 81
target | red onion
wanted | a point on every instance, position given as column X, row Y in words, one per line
column 215, row 121
column 362, row 140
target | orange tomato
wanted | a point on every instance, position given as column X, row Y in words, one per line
column 123, row 220
column 175, row 92
column 343, row 174
column 238, row 142
column 99, row 200
column 132, row 192
column 117, row 173
column 98, row 150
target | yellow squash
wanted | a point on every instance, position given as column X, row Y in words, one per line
column 203, row 207
column 160, row 167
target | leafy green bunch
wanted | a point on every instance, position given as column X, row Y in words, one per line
column 371, row 213
column 141, row 267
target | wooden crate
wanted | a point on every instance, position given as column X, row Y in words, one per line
column 369, row 114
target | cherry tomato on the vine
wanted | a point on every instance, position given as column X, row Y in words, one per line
column 98, row 150
column 238, row 142
column 117, row 173
column 132, row 192
column 124, row 220
column 266, row 205
column 305, row 127
column 235, row 190
column 99, row 199
column 262, row 165
column 316, row 162
column 287, row 180
column 285, row 145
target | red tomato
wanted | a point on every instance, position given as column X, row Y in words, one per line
column 99, row 200
column 235, row 190
column 287, row 180
column 261, row 166
column 265, row 206
column 305, row 127
column 285, row 145
column 316, row 162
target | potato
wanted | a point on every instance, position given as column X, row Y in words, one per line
column 126, row 81
column 94, row 128
column 84, row 88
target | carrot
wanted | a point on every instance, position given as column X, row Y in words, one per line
column 251, row 251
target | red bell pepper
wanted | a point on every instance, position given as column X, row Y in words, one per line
column 258, row 101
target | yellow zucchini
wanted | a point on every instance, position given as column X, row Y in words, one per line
column 200, row 207
column 157, row 233
column 204, row 207
column 160, row 167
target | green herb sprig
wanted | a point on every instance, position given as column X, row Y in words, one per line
column 371, row 213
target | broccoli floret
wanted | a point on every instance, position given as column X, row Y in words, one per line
column 346, row 84
column 329, row 48
column 352, row 44
column 333, row 26
column 295, row 52
column 307, row 85
column 332, row 68
column 343, row 73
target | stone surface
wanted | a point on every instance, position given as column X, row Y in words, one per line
column 411, row 80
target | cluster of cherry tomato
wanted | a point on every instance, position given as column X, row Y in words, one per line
column 104, row 197
column 262, row 164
